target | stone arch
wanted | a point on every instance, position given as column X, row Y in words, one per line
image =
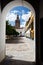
column 7, row 8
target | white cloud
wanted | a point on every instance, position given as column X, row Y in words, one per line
column 23, row 11
column 26, row 16
column 15, row 11
column 11, row 17
column 23, row 24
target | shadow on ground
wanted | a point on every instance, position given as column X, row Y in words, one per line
column 9, row 61
column 10, row 41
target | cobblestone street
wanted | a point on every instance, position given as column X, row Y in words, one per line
column 23, row 49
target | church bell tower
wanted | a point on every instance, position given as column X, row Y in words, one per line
column 17, row 22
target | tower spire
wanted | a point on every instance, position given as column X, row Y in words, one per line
column 17, row 16
column 17, row 22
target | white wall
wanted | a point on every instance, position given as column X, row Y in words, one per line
column 6, row 9
column 20, row 30
column 2, row 40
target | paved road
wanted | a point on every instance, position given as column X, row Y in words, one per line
column 21, row 48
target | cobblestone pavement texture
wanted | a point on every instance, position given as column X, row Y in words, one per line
column 21, row 49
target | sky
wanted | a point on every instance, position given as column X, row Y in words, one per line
column 23, row 12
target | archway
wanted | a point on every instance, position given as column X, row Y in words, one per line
column 5, row 11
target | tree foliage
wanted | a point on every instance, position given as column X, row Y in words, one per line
column 10, row 30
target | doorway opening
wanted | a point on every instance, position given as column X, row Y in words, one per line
column 20, row 44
